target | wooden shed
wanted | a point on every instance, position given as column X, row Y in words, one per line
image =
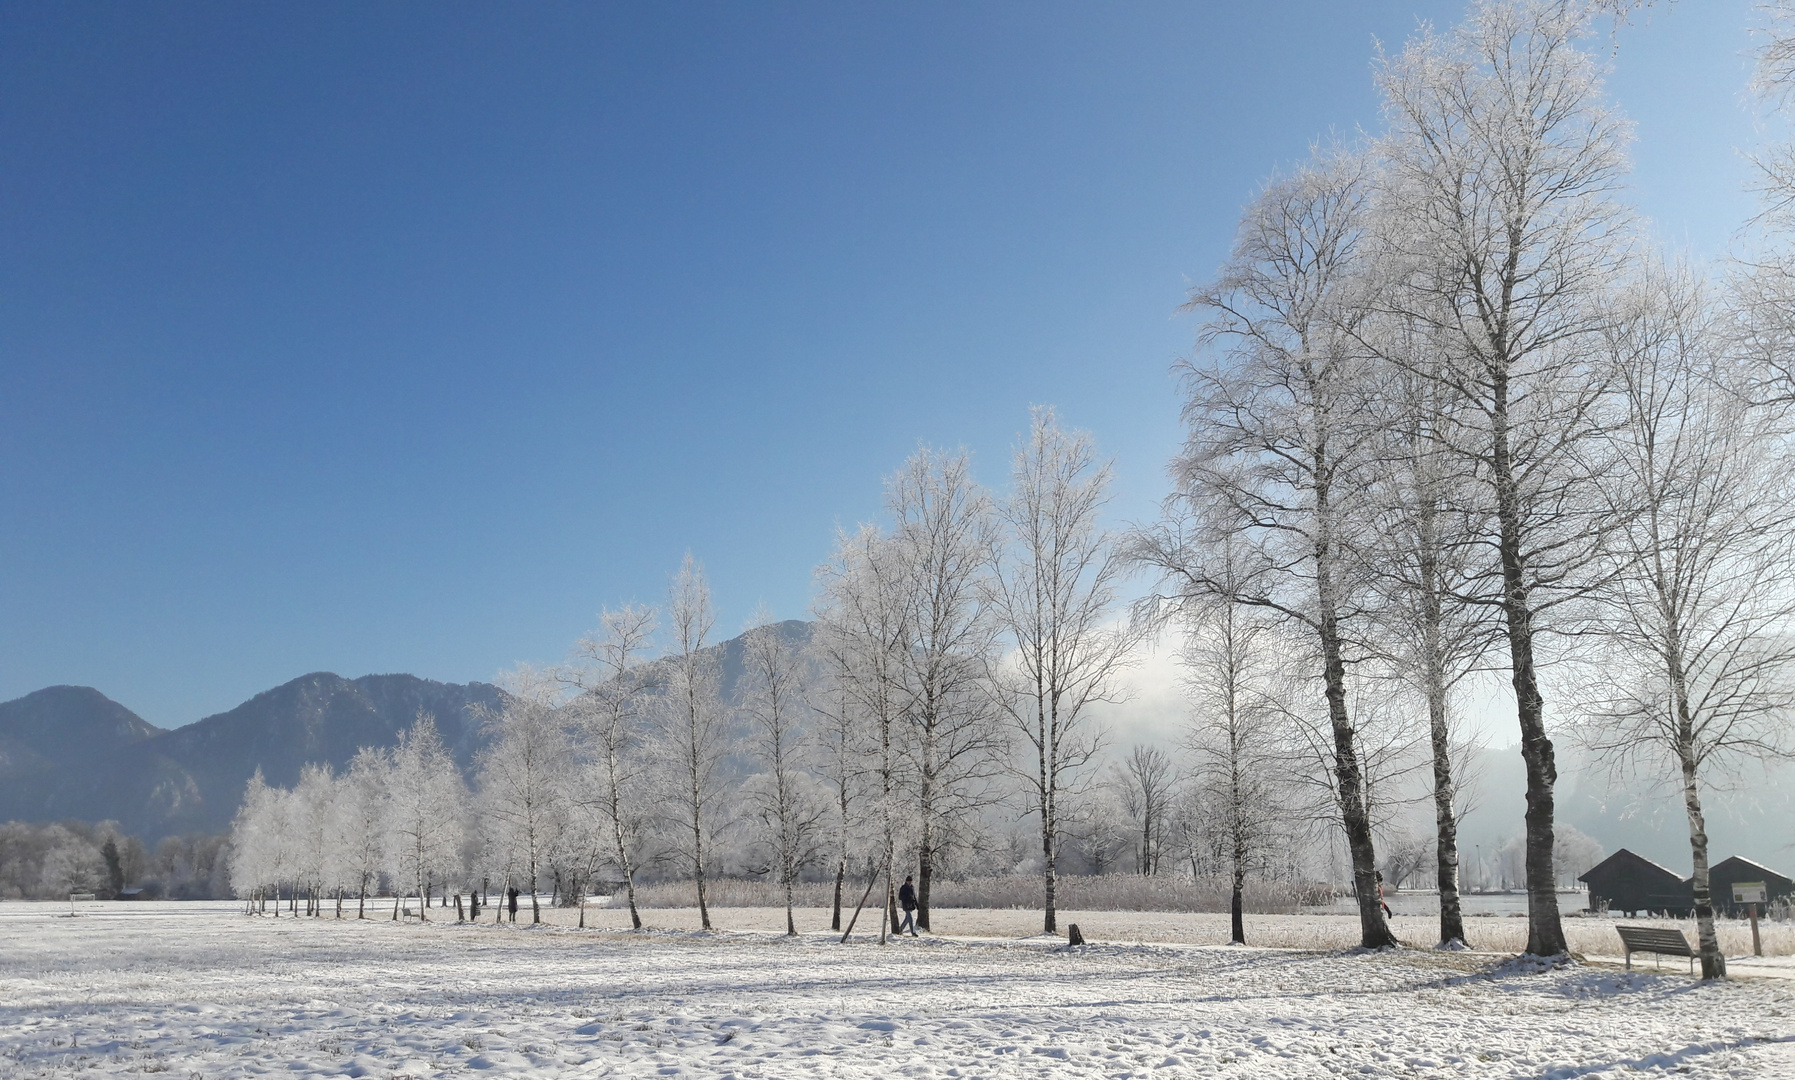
column 1633, row 883
column 1724, row 873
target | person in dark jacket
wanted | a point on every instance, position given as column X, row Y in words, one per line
column 512, row 893
column 907, row 901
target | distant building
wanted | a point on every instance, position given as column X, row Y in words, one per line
column 1723, row 874
column 1633, row 883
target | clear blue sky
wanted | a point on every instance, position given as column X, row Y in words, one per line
column 404, row 337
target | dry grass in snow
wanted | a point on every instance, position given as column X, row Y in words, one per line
column 1589, row 936
column 1106, row 892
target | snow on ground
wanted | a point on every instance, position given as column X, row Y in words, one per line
column 1588, row 935
column 199, row 990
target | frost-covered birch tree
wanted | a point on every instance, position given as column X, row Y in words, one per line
column 1761, row 292
column 308, row 824
column 694, row 727
column 840, row 750
column 1237, row 755
column 524, row 775
column 942, row 538
column 1052, row 591
column 258, row 843
column 1269, row 506
column 424, row 794
column 1437, row 621
column 1702, row 612
column 611, row 730
column 774, row 698
column 1505, row 234
column 360, row 821
column 861, row 636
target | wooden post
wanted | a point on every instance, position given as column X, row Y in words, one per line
column 871, row 880
column 1752, row 894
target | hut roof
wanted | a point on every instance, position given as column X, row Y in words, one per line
column 1629, row 864
column 1735, row 868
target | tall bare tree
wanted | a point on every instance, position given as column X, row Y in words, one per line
column 1761, row 295
column 258, row 844
column 361, row 822
column 1231, row 737
column 425, row 794
column 840, row 749
column 1504, row 234
column 1052, row 591
column 611, row 728
column 942, row 539
column 861, row 635
column 1702, row 611
column 774, row 695
column 1145, row 781
column 524, row 776
column 1437, row 622
column 694, row 725
column 1269, row 494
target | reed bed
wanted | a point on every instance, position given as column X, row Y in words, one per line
column 1111, row 892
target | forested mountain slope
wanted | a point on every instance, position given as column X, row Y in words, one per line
column 71, row 752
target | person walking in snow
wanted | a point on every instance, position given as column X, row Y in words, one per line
column 1380, row 895
column 907, row 901
column 512, row 893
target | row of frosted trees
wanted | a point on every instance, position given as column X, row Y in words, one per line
column 951, row 672
column 950, row 680
column 1452, row 413
column 395, row 815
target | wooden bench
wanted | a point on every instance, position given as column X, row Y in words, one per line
column 1660, row 942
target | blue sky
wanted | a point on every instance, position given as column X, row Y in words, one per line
column 382, row 337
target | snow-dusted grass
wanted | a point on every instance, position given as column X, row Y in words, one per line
column 196, row 990
column 1107, row 892
column 1592, row 936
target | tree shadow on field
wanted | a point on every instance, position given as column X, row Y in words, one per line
column 1667, row 1061
column 1576, row 981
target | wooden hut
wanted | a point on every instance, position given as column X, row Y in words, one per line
column 1723, row 874
column 1633, row 883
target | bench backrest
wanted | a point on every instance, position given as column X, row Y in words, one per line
column 1653, row 939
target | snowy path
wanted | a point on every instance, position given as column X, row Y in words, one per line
column 207, row 993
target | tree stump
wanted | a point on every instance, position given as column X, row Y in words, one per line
column 1073, row 937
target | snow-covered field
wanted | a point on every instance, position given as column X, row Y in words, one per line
column 198, row 990
column 1591, row 936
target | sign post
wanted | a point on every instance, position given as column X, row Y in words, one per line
column 1751, row 894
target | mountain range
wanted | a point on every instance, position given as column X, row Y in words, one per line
column 71, row 752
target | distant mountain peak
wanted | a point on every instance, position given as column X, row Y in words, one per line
column 70, row 752
column 56, row 716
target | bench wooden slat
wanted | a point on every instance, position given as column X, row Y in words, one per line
column 1657, row 940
